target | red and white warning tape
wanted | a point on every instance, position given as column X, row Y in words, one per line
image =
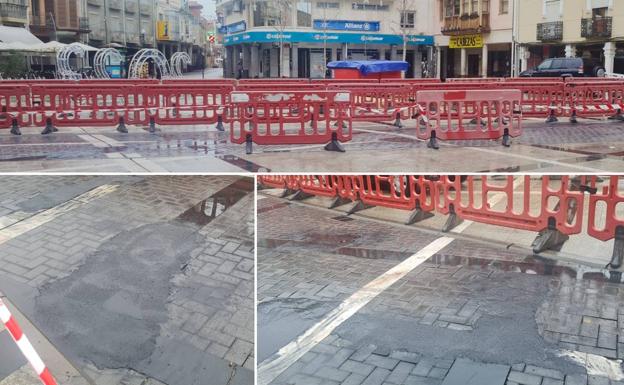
column 25, row 346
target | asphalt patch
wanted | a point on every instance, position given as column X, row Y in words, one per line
column 109, row 311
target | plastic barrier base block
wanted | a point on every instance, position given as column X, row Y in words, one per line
column 549, row 238
column 334, row 145
column 453, row 221
column 287, row 191
column 300, row 195
column 618, row 248
column 248, row 144
column 219, row 125
column 417, row 215
column 573, row 117
column 121, row 127
column 15, row 130
column 338, row 201
column 397, row 121
column 506, row 138
column 357, row 206
column 433, row 142
column 49, row 127
column 152, row 125
column 617, row 116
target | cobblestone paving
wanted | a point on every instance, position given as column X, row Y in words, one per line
column 211, row 302
column 191, row 141
column 468, row 301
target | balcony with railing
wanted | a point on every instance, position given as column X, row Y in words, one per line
column 596, row 27
column 13, row 12
column 83, row 24
column 551, row 31
column 466, row 24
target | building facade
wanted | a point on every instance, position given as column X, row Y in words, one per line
column 473, row 37
column 296, row 38
column 14, row 13
column 61, row 20
column 592, row 29
column 125, row 23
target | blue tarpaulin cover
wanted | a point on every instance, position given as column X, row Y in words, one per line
column 370, row 66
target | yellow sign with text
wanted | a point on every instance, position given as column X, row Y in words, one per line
column 162, row 30
column 466, row 41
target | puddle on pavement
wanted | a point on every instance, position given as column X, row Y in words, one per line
column 531, row 265
column 373, row 253
column 210, row 208
column 242, row 163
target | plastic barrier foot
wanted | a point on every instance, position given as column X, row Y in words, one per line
column 551, row 116
column 357, row 206
column 506, row 138
column 49, row 127
column 300, row 195
column 121, row 127
column 248, row 144
column 417, row 215
column 549, row 238
column 573, row 117
column 397, row 121
column 618, row 248
column 618, row 115
column 15, row 130
column 334, row 145
column 338, row 201
column 453, row 220
column 433, row 141
column 219, row 126
column 286, row 192
column 344, row 125
column 152, row 125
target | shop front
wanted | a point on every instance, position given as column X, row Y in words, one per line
column 256, row 54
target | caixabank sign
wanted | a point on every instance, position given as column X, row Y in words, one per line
column 320, row 37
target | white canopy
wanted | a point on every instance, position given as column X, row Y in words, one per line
column 12, row 35
column 40, row 47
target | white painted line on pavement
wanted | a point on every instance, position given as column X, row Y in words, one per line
column 273, row 366
column 43, row 217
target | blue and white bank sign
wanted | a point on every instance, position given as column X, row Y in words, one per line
column 347, row 25
column 320, row 37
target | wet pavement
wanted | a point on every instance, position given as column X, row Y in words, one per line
column 470, row 310
column 132, row 279
column 589, row 146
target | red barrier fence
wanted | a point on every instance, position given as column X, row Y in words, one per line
column 469, row 114
column 293, row 117
column 552, row 207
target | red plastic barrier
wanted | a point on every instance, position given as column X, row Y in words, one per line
column 475, row 80
column 323, row 185
column 589, row 98
column 290, row 117
column 405, row 192
column 277, row 181
column 190, row 104
column 14, row 103
column 380, row 102
column 469, row 114
column 606, row 210
column 557, row 206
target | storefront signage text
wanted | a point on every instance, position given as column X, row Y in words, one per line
column 466, row 41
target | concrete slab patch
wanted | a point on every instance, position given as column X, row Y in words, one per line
column 466, row 372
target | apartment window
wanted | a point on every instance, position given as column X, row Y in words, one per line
column 326, row 5
column 465, row 5
column 408, row 19
column 485, row 6
column 599, row 12
column 274, row 13
column 452, row 8
column 504, row 6
column 474, row 8
column 369, row 7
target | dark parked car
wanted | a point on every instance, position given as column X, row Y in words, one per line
column 574, row 66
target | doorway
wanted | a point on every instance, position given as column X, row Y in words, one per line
column 473, row 65
column 303, row 62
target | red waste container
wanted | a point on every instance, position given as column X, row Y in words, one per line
column 367, row 69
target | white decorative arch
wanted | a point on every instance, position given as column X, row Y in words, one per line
column 178, row 61
column 145, row 55
column 102, row 57
column 63, row 68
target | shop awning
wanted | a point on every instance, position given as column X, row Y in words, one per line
column 370, row 66
column 10, row 35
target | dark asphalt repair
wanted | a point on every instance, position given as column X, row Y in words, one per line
column 109, row 312
column 511, row 294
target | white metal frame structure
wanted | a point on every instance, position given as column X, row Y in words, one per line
column 145, row 55
column 102, row 57
column 178, row 61
column 63, row 67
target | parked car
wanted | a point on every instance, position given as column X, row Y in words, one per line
column 574, row 66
